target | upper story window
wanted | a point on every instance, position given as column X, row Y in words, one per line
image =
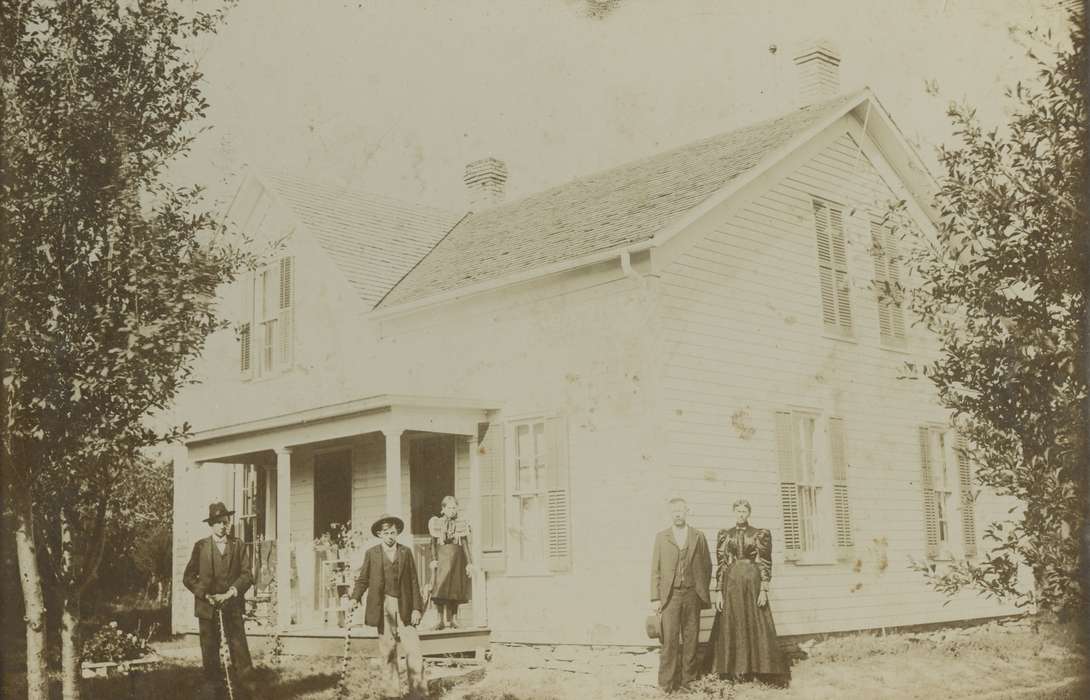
column 268, row 298
column 887, row 283
column 836, row 308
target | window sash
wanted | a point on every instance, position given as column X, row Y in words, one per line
column 528, row 492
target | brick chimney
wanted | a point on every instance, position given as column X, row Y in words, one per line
column 486, row 180
column 818, row 72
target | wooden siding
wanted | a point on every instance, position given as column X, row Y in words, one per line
column 743, row 337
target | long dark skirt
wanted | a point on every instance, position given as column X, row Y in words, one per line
column 451, row 582
column 745, row 642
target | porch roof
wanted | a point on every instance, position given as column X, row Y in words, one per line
column 385, row 413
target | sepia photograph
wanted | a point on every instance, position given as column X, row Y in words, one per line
column 544, row 349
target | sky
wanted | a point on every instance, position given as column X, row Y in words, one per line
column 395, row 97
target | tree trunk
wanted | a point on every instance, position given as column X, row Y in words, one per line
column 70, row 656
column 37, row 672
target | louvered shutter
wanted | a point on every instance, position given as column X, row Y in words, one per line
column 841, row 504
column 786, row 451
column 887, row 280
column 840, row 267
column 893, row 265
column 557, row 496
column 491, row 463
column 930, row 516
column 286, row 341
column 245, row 326
column 825, row 265
column 968, row 501
column 881, row 279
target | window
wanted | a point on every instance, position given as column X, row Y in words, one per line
column 944, row 491
column 272, row 319
column 538, row 535
column 836, row 311
column 887, row 283
column 813, row 487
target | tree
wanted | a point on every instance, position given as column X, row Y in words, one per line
column 138, row 525
column 1004, row 289
column 108, row 273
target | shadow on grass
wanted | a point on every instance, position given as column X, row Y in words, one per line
column 180, row 683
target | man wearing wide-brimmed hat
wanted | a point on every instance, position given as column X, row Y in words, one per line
column 394, row 604
column 218, row 575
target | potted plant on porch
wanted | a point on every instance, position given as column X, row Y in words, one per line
column 112, row 651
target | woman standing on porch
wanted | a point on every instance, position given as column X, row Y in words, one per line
column 744, row 642
column 451, row 562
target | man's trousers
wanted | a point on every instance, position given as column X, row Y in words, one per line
column 680, row 629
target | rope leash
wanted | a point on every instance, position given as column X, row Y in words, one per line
column 225, row 655
column 342, row 683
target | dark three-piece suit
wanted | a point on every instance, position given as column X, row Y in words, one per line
column 680, row 575
column 211, row 572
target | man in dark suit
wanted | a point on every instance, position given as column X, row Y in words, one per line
column 394, row 604
column 681, row 569
column 218, row 575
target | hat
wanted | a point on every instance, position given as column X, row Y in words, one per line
column 217, row 510
column 654, row 626
column 387, row 518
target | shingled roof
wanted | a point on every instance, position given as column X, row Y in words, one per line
column 610, row 209
column 374, row 240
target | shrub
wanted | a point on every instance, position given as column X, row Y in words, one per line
column 111, row 643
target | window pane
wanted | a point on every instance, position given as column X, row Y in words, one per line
column 532, row 544
column 524, row 459
column 539, row 455
column 807, row 468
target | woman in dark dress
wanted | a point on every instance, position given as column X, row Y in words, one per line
column 451, row 562
column 745, row 643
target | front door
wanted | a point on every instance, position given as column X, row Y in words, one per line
column 332, row 490
column 431, row 478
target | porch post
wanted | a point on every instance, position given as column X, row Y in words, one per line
column 393, row 471
column 283, row 537
column 480, row 599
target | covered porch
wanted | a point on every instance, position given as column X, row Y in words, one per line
column 306, row 488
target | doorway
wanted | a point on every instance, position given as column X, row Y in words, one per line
column 332, row 490
column 431, row 477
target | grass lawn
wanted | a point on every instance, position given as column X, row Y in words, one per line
column 993, row 661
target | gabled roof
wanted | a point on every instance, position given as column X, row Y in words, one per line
column 374, row 240
column 610, row 209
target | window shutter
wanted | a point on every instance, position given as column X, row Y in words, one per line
column 245, row 344
column 491, row 463
column 789, row 493
column 285, row 326
column 931, row 524
column 841, row 504
column 245, row 326
column 968, row 502
column 893, row 265
column 825, row 264
column 840, row 265
column 887, row 280
column 557, row 496
column 881, row 279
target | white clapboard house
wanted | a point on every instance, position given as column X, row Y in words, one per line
column 705, row 321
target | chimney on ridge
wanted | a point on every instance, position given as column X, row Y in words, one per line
column 818, row 72
column 486, row 180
